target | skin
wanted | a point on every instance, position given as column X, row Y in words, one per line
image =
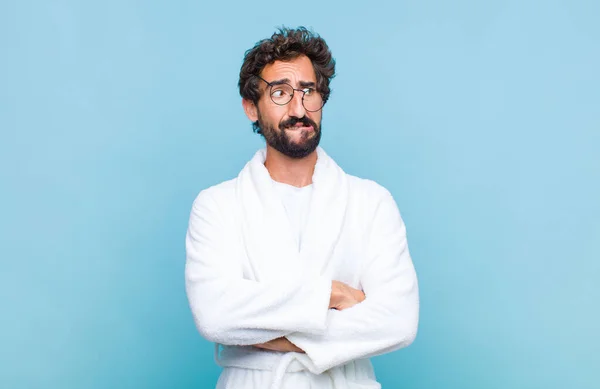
column 293, row 171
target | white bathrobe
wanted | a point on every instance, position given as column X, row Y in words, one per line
column 248, row 282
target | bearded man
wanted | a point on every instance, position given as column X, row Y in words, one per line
column 297, row 271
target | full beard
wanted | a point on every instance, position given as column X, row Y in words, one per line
column 280, row 141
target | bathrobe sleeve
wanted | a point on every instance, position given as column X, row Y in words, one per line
column 388, row 318
column 231, row 310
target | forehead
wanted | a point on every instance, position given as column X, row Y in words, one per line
column 297, row 69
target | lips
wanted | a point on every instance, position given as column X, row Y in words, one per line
column 294, row 124
column 301, row 126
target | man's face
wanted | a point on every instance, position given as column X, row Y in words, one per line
column 290, row 128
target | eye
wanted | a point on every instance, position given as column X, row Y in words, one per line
column 309, row 91
column 279, row 93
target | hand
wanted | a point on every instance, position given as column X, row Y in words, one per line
column 280, row 344
column 344, row 296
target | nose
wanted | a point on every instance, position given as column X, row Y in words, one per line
column 295, row 107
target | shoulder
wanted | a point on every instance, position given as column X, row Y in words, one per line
column 367, row 190
column 376, row 205
column 218, row 195
column 372, row 200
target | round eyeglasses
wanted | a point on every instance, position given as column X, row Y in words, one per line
column 282, row 93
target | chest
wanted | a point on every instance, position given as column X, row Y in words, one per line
column 344, row 263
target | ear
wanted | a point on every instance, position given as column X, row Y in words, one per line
column 250, row 109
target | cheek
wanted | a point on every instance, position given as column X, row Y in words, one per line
column 268, row 113
column 275, row 115
column 315, row 116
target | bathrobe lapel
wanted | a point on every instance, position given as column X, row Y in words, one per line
column 326, row 215
column 267, row 236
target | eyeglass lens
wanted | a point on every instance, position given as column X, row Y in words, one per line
column 283, row 94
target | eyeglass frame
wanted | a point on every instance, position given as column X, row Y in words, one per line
column 271, row 85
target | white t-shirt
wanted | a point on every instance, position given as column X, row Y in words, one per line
column 296, row 202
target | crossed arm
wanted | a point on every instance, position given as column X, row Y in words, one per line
column 342, row 296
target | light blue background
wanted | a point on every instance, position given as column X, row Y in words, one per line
column 482, row 118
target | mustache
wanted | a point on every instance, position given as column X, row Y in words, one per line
column 306, row 121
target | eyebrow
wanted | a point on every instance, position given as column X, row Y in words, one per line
column 279, row 82
column 307, row 84
column 303, row 84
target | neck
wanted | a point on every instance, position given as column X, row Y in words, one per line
column 291, row 171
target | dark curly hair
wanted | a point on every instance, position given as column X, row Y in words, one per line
column 285, row 45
